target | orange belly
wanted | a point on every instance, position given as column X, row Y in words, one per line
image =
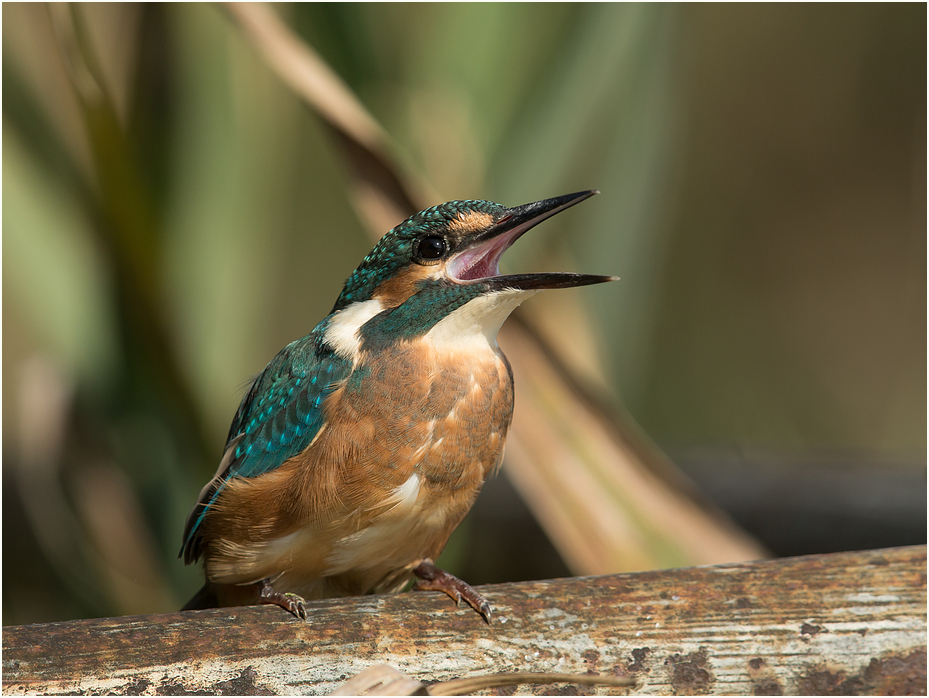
column 407, row 443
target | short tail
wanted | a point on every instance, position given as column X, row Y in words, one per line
column 205, row 598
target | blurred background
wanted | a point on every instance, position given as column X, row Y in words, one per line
column 174, row 213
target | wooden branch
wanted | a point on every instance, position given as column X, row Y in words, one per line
column 847, row 623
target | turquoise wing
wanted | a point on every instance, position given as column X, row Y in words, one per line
column 276, row 420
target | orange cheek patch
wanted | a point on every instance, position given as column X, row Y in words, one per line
column 402, row 285
column 471, row 221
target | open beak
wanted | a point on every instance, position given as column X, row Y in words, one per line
column 480, row 260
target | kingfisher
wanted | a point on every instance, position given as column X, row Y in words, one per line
column 361, row 447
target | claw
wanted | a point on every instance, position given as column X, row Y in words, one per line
column 287, row 600
column 431, row 578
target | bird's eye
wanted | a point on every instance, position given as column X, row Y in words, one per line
column 430, row 248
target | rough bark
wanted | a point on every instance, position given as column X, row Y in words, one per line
column 847, row 623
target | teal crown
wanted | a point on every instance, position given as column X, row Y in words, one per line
column 395, row 250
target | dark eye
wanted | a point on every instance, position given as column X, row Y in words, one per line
column 432, row 247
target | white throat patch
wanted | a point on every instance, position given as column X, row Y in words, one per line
column 474, row 325
column 342, row 332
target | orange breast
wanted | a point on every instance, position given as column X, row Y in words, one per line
column 409, row 439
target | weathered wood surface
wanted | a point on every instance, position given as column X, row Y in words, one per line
column 848, row 623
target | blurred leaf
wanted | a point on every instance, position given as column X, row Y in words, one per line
column 608, row 498
column 50, row 266
column 382, row 195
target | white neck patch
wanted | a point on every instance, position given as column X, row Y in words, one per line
column 342, row 332
column 474, row 326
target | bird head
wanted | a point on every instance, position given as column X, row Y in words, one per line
column 437, row 275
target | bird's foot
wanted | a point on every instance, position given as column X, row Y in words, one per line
column 289, row 602
column 431, row 578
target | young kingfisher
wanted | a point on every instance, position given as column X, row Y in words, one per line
column 361, row 446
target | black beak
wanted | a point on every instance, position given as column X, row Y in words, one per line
column 485, row 250
column 532, row 214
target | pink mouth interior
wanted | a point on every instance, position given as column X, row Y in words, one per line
column 483, row 261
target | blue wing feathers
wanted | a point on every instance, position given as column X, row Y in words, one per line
column 276, row 420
